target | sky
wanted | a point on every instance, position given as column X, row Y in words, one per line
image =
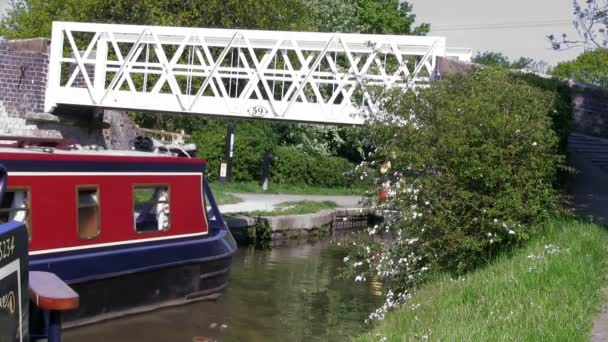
column 3, row 5
column 465, row 24
column 517, row 27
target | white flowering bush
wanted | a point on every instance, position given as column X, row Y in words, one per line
column 462, row 170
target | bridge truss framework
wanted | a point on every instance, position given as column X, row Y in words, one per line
column 297, row 76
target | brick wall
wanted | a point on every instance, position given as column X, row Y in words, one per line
column 22, row 80
column 23, row 76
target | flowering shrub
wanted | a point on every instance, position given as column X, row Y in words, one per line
column 469, row 165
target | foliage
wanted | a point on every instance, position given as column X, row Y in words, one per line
column 297, row 208
column 312, row 139
column 365, row 16
column 591, row 24
column 251, row 140
column 563, row 272
column 33, row 18
column 590, row 67
column 388, row 16
column 291, row 166
column 494, row 59
column 561, row 113
column 472, row 163
column 348, row 142
column 497, row 59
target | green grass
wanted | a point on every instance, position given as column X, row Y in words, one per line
column 296, row 208
column 516, row 298
column 253, row 187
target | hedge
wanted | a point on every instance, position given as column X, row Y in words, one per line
column 291, row 166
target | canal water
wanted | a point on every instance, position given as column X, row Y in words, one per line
column 287, row 293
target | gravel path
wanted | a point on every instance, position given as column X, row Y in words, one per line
column 266, row 202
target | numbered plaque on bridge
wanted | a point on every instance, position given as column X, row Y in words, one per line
column 14, row 298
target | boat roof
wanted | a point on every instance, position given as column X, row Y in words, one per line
column 45, row 153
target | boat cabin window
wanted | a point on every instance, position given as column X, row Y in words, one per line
column 88, row 212
column 151, row 209
column 15, row 206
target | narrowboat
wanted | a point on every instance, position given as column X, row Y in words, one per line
column 130, row 231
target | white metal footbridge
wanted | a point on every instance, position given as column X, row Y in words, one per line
column 296, row 76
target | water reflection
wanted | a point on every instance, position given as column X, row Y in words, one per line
column 288, row 293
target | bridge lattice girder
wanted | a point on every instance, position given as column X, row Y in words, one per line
column 296, row 76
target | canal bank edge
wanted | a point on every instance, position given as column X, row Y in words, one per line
column 247, row 229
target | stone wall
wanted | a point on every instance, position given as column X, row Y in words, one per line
column 449, row 66
column 121, row 130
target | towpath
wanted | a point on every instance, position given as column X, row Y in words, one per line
column 266, row 202
column 589, row 191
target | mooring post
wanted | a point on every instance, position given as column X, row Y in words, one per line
column 226, row 167
column 266, row 169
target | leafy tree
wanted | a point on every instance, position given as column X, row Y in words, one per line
column 590, row 67
column 33, row 18
column 497, row 59
column 312, row 139
column 493, row 59
column 522, row 63
column 388, row 16
column 365, row 16
column 591, row 24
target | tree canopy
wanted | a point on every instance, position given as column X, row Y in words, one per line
column 497, row 59
column 590, row 67
column 33, row 18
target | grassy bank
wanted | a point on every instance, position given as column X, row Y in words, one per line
column 253, row 187
column 296, row 208
column 549, row 290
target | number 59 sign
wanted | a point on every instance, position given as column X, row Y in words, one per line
column 257, row 111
